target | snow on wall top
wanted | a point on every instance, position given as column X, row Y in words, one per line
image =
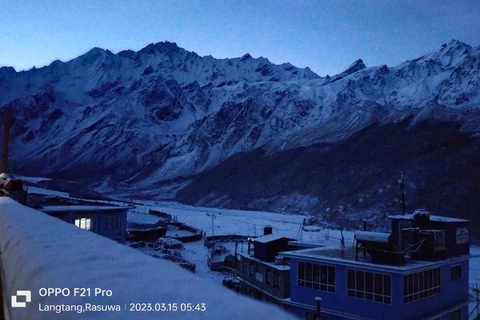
column 82, row 208
column 39, row 251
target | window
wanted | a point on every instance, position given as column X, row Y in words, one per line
column 369, row 286
column 316, row 276
column 268, row 279
column 456, row 272
column 84, row 223
column 457, row 314
column 112, row 222
column 421, row 285
column 252, row 268
column 276, row 279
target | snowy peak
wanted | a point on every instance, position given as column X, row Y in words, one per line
column 355, row 66
column 452, row 54
column 245, row 57
column 166, row 48
column 455, row 44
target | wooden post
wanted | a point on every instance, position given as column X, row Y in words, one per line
column 235, row 261
column 213, row 227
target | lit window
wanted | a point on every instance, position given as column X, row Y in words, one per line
column 84, row 223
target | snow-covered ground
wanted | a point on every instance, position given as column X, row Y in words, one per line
column 40, row 252
column 216, row 221
column 249, row 223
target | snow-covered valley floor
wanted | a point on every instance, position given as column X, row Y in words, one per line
column 225, row 222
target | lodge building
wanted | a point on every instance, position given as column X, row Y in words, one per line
column 419, row 271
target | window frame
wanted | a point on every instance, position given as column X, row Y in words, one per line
column 378, row 291
column 431, row 285
column 268, row 277
column 453, row 275
column 87, row 220
column 324, row 280
column 456, row 314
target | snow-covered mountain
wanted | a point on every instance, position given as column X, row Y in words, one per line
column 163, row 115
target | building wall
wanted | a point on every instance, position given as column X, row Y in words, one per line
column 452, row 293
column 339, row 300
column 267, row 251
column 279, row 289
column 107, row 229
column 100, row 222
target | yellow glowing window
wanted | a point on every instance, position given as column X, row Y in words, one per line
column 84, row 223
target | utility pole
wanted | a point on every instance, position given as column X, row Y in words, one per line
column 402, row 187
column 213, row 227
column 342, row 240
column 476, row 289
column 235, row 261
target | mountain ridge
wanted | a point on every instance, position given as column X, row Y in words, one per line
column 168, row 115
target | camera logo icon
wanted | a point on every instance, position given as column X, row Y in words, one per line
column 21, row 293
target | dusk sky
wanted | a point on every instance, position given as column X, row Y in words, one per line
column 327, row 36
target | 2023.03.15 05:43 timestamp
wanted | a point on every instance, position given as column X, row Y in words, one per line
column 167, row 307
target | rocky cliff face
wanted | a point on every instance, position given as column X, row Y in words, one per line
column 245, row 132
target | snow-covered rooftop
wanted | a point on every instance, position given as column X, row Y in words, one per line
column 39, row 251
column 269, row 237
column 432, row 218
column 81, row 208
column 270, row 264
column 347, row 257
